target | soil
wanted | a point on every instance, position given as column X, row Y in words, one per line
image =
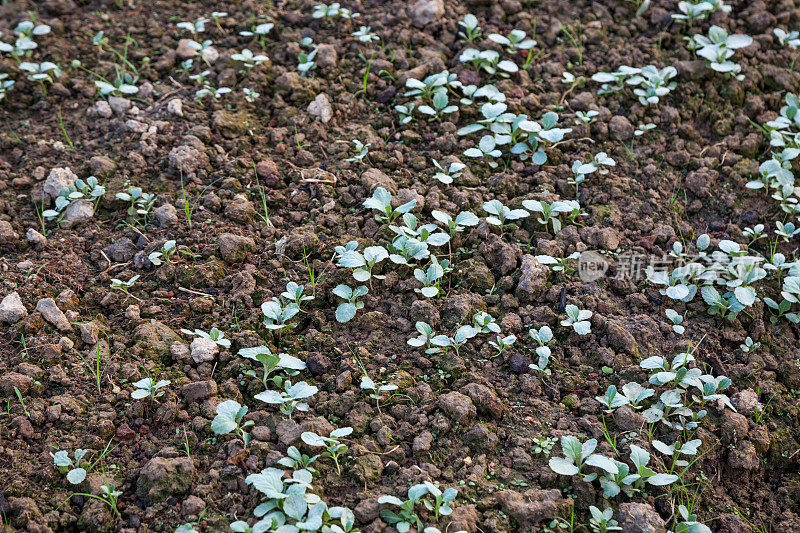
column 469, row 420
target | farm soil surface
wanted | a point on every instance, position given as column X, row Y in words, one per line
column 471, row 420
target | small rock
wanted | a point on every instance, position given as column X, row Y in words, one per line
column 11, row 380
column 532, row 279
column 100, row 109
column 166, row 215
column 234, row 248
column 422, row 443
column 368, row 468
column 746, row 401
column 121, row 251
column 163, row 477
column 529, row 510
column 240, row 209
column 7, row 233
column 326, row 56
column 743, row 456
column 621, row 128
column 203, row 350
column 372, row 178
column 424, row 12
column 77, row 212
column 12, row 309
column 484, row 399
column 184, row 51
column 175, row 107
column 119, row 105
column 102, row 165
column 321, row 108
column 50, row 312
column 640, row 518
column 35, row 238
column 58, row 179
column 457, row 406
column 200, row 390
column 187, row 159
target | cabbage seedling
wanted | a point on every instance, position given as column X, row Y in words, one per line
column 485, row 323
column 5, row 85
column 447, row 176
column 548, row 213
column 578, row 456
column 260, row 32
column 198, row 26
column 440, row 105
column 334, row 449
column 359, row 151
column 347, row 309
column 488, row 61
column 147, row 388
column 676, row 320
column 431, row 277
column 500, row 213
column 381, row 201
column 250, row 94
column 229, row 418
column 296, row 460
column 791, row 39
column 376, row 389
column 159, row 256
column 124, row 286
column 75, row 470
column 214, row 334
column 405, row 516
column 140, row 202
column 277, row 315
column 290, row 398
column 248, row 59
column 611, row 400
column 294, row 293
column 501, row 344
column 516, row 40
column 602, row 521
column 272, row 362
column 578, row 319
column 440, row 505
column 365, row 35
column 362, row 263
column 463, row 219
column 424, row 339
column 719, row 47
column 470, row 30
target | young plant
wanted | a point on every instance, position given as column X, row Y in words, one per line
column 447, row 175
column 440, row 505
column 578, row 456
column 124, row 286
column 405, row 516
column 717, row 49
column 230, row 415
column 334, row 449
column 676, row 320
column 516, row 40
column 469, row 28
column 277, row 315
column 140, row 202
column 500, row 214
column 381, row 201
column 359, row 151
column 501, row 344
column 463, row 220
column 602, row 521
column 431, row 277
column 376, row 389
column 272, row 363
column 248, row 58
column 548, row 213
column 346, row 310
column 578, row 319
column 361, row 263
column 75, row 470
column 148, row 388
column 215, row 335
column 158, row 257
column 290, row 398
column 543, row 337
